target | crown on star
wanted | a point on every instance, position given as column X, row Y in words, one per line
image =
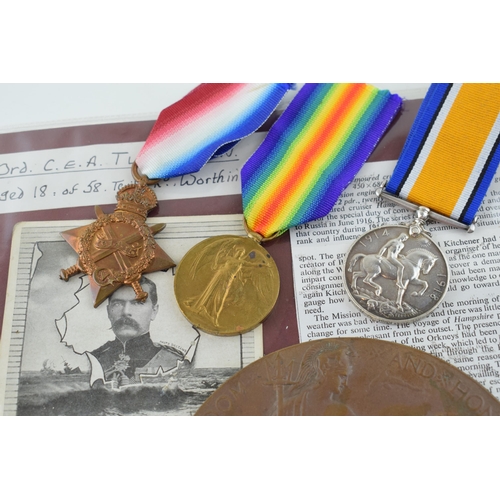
column 136, row 199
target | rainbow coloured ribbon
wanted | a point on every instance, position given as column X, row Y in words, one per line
column 452, row 151
column 209, row 119
column 312, row 152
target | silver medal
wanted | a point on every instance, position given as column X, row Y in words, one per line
column 396, row 273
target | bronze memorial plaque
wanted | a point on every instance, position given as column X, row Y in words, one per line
column 350, row 376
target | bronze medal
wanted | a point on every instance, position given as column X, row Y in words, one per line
column 226, row 285
column 118, row 248
column 351, row 376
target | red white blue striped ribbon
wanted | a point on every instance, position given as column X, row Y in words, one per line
column 213, row 115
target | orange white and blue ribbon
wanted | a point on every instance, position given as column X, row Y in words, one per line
column 204, row 123
column 312, row 153
column 452, row 151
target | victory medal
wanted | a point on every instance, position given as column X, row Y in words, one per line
column 227, row 285
column 397, row 273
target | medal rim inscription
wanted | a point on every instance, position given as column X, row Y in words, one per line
column 209, row 326
column 374, row 373
column 382, row 318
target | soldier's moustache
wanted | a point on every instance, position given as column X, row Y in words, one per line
column 124, row 322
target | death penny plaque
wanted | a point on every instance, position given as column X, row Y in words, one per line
column 351, row 376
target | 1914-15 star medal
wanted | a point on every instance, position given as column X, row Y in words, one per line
column 118, row 248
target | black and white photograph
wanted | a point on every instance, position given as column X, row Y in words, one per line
column 63, row 356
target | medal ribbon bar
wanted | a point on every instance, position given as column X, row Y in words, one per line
column 204, row 123
column 312, row 152
column 452, row 151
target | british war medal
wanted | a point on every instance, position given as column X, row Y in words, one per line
column 397, row 273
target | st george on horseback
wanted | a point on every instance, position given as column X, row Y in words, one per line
column 404, row 269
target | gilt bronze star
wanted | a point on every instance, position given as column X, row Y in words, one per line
column 118, row 248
